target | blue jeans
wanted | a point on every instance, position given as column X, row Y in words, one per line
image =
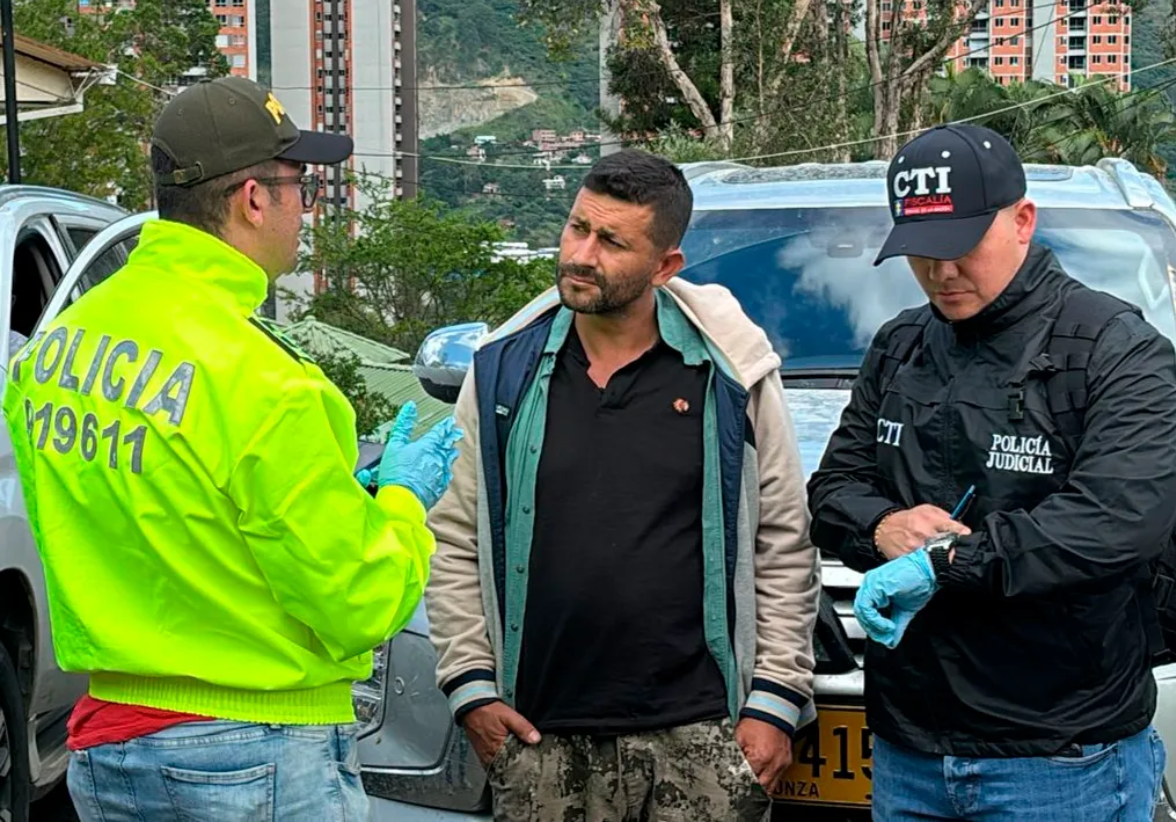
column 1119, row 781
column 222, row 772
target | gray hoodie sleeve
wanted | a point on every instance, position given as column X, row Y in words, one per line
column 787, row 570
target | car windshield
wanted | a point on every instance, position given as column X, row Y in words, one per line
column 806, row 275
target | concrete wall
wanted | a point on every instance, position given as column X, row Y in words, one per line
column 373, row 95
column 291, row 40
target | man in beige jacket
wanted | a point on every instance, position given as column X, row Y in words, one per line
column 623, row 593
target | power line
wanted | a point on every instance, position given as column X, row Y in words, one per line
column 780, row 110
column 457, row 161
column 524, row 84
column 119, row 72
column 910, row 132
column 852, row 143
column 511, row 194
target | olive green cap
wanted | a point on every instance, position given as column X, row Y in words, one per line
column 220, row 126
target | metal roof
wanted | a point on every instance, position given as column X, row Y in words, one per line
column 399, row 385
column 1113, row 183
column 320, row 338
column 382, row 367
column 52, row 55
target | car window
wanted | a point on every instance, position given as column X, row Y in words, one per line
column 807, row 275
column 79, row 236
column 109, row 262
column 35, row 275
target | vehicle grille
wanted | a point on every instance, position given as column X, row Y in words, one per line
column 840, row 585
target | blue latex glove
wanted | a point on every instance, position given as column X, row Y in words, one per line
column 904, row 585
column 364, row 475
column 424, row 467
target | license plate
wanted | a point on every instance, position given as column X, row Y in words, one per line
column 832, row 766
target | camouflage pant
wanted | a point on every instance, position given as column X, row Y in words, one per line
column 696, row 773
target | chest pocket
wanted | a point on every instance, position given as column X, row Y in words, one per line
column 937, row 433
column 1010, row 445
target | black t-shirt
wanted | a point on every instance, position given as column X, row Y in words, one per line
column 613, row 632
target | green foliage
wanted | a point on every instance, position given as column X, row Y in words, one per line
column 397, row 269
column 101, row 151
column 1093, row 121
column 465, row 40
column 462, row 41
column 1151, row 42
column 371, row 410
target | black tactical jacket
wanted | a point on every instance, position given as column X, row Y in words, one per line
column 1036, row 638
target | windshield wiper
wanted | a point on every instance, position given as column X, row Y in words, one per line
column 819, row 377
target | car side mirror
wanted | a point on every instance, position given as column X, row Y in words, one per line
column 444, row 358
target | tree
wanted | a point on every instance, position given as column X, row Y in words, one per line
column 102, row 151
column 371, row 410
column 397, row 269
column 644, row 27
column 1097, row 121
column 742, row 78
column 1046, row 124
column 903, row 58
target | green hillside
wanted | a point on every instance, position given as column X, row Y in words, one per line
column 465, row 41
column 1147, row 47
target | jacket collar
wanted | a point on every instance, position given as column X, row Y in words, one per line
column 177, row 250
column 673, row 327
column 1022, row 296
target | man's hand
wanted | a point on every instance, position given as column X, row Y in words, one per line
column 488, row 726
column 904, row 531
column 767, row 749
column 904, row 585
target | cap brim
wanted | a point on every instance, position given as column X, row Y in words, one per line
column 936, row 239
column 318, row 148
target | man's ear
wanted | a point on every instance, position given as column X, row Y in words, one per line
column 671, row 263
column 249, row 203
column 1025, row 219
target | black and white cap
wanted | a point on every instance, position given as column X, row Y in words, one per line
column 946, row 187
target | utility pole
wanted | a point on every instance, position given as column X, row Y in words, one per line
column 10, row 117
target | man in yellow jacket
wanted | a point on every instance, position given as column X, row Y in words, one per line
column 211, row 561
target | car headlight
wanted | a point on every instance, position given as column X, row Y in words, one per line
column 368, row 696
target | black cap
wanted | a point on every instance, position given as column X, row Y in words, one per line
column 224, row 125
column 946, row 187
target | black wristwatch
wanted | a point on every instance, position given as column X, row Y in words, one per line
column 939, row 548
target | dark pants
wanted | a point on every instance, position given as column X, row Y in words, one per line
column 688, row 774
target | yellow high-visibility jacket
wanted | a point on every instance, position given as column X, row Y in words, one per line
column 188, row 477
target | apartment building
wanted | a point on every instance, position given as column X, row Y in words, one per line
column 349, row 66
column 235, row 21
column 1018, row 40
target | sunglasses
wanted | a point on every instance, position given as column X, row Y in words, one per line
column 310, row 185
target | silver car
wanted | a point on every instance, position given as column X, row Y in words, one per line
column 796, row 246
column 42, row 232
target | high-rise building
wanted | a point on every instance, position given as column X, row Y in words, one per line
column 1037, row 39
column 349, row 66
column 234, row 41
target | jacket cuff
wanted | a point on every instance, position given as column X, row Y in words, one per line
column 400, row 501
column 473, row 689
column 964, row 570
column 777, row 705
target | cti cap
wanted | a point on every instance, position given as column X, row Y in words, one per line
column 946, row 187
column 217, row 127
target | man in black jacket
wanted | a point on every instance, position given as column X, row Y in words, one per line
column 1010, row 672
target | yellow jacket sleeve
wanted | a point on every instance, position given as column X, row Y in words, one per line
column 350, row 567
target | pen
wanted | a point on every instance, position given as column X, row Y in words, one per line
column 963, row 503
